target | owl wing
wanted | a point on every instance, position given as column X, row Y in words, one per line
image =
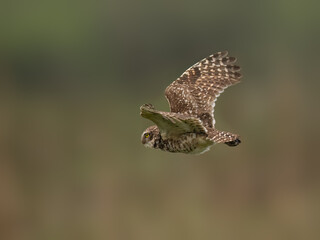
column 172, row 124
column 196, row 90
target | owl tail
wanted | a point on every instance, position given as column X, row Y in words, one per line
column 230, row 139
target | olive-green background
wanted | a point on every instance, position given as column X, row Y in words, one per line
column 73, row 75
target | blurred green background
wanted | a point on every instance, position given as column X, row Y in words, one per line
column 73, row 75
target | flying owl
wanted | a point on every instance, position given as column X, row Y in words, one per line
column 189, row 127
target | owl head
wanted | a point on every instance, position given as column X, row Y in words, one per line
column 149, row 136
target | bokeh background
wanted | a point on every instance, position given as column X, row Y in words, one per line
column 73, row 75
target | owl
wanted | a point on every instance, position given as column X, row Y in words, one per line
column 189, row 127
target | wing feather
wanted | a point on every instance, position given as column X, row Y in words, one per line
column 196, row 90
column 172, row 124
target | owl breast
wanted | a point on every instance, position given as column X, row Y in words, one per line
column 190, row 143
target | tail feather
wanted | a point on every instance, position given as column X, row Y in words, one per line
column 230, row 139
column 233, row 143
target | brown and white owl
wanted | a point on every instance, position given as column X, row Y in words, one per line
column 189, row 127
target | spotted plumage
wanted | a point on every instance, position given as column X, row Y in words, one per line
column 189, row 127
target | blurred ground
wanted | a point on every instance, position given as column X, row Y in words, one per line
column 72, row 77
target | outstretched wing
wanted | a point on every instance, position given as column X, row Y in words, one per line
column 172, row 124
column 197, row 89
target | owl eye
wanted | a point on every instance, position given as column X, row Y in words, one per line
column 146, row 135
